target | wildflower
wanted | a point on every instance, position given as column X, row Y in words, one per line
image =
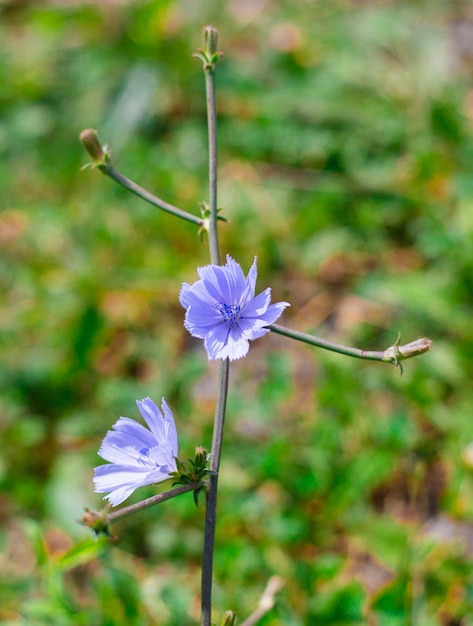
column 137, row 456
column 222, row 309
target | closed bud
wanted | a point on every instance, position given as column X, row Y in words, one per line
column 92, row 145
column 97, row 521
column 208, row 53
column 210, row 41
column 414, row 348
column 201, row 456
column 396, row 353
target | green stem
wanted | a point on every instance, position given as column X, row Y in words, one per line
column 146, row 195
column 326, row 344
column 394, row 354
column 100, row 521
column 212, row 135
column 157, row 499
column 101, row 159
column 209, row 57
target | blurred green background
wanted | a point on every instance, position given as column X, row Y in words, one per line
column 346, row 166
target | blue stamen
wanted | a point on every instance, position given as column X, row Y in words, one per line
column 230, row 313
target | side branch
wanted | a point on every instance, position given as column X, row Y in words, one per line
column 149, row 197
column 101, row 158
column 393, row 355
column 99, row 521
column 157, row 499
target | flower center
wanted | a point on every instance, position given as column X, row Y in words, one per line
column 230, row 313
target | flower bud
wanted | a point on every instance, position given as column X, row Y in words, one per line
column 208, row 53
column 201, row 456
column 414, row 348
column 210, row 41
column 92, row 145
column 397, row 353
column 96, row 521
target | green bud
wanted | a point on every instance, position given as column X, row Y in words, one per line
column 97, row 521
column 210, row 41
column 100, row 155
column 194, row 470
column 208, row 54
column 201, row 457
column 396, row 353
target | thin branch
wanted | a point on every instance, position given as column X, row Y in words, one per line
column 149, row 197
column 157, row 499
column 99, row 521
column 393, row 355
column 102, row 161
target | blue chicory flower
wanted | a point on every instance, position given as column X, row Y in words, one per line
column 137, row 456
column 221, row 308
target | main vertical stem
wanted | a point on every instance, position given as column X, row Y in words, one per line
column 209, row 57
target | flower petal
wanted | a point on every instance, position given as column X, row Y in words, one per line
column 172, row 434
column 249, row 292
column 215, row 342
column 154, row 418
column 273, row 312
column 254, row 331
column 258, row 305
column 116, row 449
column 200, row 320
column 198, row 295
column 136, row 434
column 237, row 344
column 121, row 481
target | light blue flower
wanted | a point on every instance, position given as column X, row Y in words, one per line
column 137, row 456
column 221, row 308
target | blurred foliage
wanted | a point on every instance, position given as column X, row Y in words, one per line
column 345, row 166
